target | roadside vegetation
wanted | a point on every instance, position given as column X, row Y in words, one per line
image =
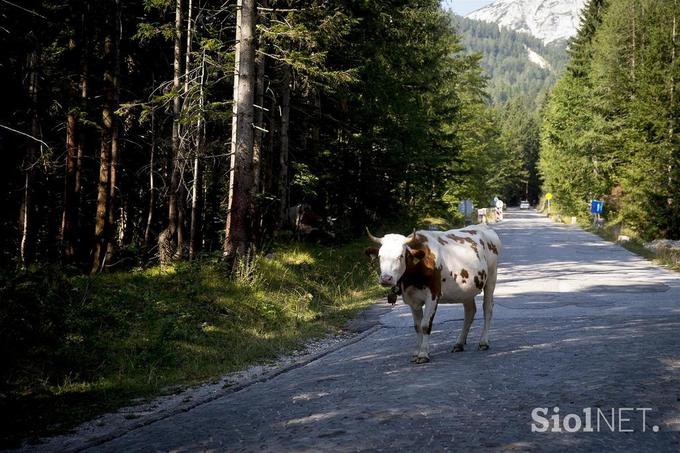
column 610, row 126
column 77, row 346
column 613, row 232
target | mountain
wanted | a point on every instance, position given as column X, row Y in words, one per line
column 516, row 64
column 548, row 20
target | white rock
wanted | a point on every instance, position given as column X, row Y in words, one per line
column 549, row 20
column 538, row 60
column 662, row 244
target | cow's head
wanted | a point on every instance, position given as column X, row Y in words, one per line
column 392, row 254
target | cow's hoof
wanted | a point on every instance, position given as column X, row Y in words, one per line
column 420, row 360
column 457, row 348
column 483, row 347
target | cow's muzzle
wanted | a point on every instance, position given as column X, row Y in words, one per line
column 386, row 280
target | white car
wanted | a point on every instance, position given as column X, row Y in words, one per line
column 524, row 205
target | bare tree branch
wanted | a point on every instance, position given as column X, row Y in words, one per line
column 24, row 9
column 24, row 133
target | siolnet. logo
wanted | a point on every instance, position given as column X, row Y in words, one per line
column 592, row 420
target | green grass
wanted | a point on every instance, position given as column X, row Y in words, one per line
column 139, row 333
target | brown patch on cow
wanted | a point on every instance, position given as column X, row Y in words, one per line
column 464, row 273
column 451, row 273
column 471, row 231
column 478, row 282
column 465, row 240
column 481, row 281
column 421, row 270
column 481, row 241
column 441, row 241
column 459, row 239
column 492, row 247
column 473, row 244
column 371, row 252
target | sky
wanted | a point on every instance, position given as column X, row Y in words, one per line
column 464, row 7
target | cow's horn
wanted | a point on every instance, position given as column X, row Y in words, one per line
column 373, row 238
column 410, row 238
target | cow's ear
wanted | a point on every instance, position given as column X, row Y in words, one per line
column 418, row 254
column 371, row 252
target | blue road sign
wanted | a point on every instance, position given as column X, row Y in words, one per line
column 596, row 206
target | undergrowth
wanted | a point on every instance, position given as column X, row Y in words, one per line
column 74, row 347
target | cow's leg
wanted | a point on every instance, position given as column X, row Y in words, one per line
column 488, row 309
column 426, row 329
column 417, row 312
column 470, row 310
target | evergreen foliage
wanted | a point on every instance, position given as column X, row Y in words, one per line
column 610, row 126
column 506, row 62
column 375, row 120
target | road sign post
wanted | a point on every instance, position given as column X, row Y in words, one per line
column 466, row 207
column 596, row 209
column 548, row 197
column 499, row 209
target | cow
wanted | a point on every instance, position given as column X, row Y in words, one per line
column 432, row 267
column 302, row 219
column 306, row 223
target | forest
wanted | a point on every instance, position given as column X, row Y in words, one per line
column 610, row 128
column 121, row 122
column 506, row 63
column 155, row 150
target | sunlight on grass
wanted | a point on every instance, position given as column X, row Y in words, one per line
column 132, row 334
column 295, row 257
column 436, row 221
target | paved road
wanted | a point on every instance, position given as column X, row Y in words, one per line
column 579, row 323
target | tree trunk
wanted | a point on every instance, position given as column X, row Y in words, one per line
column 187, row 54
column 283, row 152
column 259, row 115
column 167, row 250
column 152, row 184
column 26, row 242
column 82, row 141
column 268, row 181
column 197, row 184
column 239, row 212
column 69, row 218
column 101, row 234
column 115, row 142
column 237, row 56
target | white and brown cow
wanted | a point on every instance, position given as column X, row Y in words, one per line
column 432, row 267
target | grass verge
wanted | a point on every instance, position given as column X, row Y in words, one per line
column 135, row 334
